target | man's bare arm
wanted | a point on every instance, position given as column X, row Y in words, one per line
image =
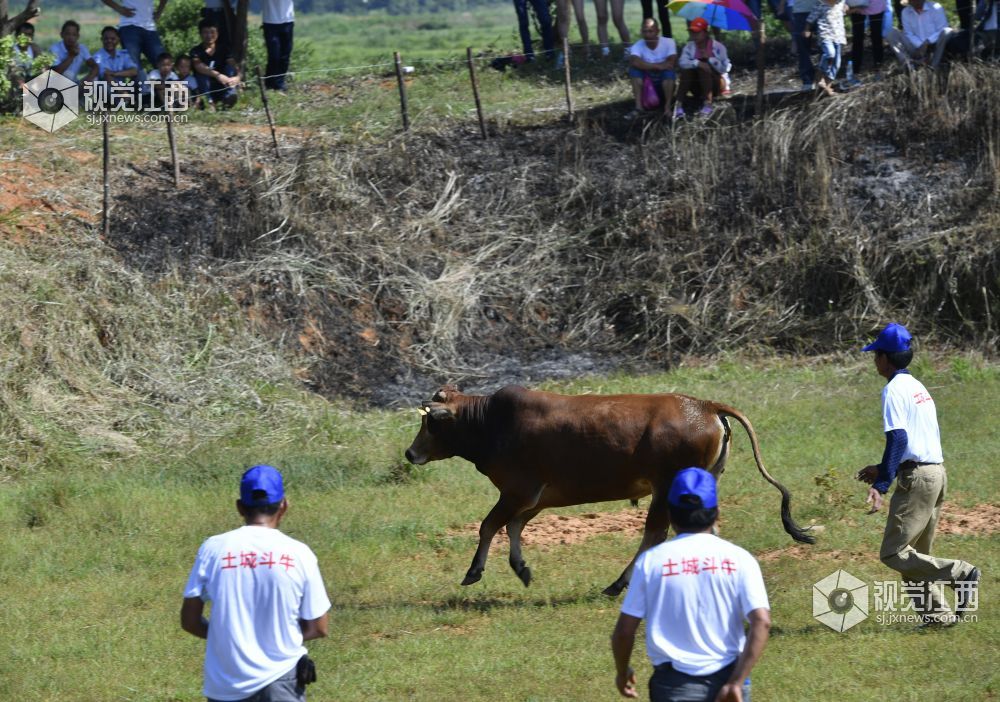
column 760, row 630
column 191, row 620
column 315, row 628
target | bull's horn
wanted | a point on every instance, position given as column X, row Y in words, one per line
column 421, row 411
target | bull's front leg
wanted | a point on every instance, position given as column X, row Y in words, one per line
column 503, row 511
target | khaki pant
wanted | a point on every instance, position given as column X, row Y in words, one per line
column 909, row 535
column 906, row 52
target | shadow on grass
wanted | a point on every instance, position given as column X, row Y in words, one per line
column 483, row 603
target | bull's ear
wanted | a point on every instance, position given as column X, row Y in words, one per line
column 441, row 414
column 441, row 395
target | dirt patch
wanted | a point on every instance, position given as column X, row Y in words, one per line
column 557, row 529
column 810, row 553
column 981, row 520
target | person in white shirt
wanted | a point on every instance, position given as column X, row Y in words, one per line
column 695, row 591
column 113, row 65
column 137, row 29
column 913, row 457
column 25, row 53
column 654, row 57
column 279, row 25
column 267, row 598
column 925, row 34
column 72, row 57
column 703, row 63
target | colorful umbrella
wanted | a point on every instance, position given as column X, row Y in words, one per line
column 724, row 14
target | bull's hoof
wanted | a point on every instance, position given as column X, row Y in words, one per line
column 614, row 589
column 525, row 575
column 472, row 577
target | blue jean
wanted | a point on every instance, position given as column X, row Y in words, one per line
column 806, row 70
column 524, row 26
column 669, row 685
column 829, row 62
column 207, row 84
column 278, row 40
column 136, row 41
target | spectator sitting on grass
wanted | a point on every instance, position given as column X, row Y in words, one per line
column 653, row 56
column 703, row 64
column 184, row 70
column 155, row 84
column 214, row 69
column 827, row 20
column 71, row 56
column 25, row 53
column 113, row 65
column 925, row 28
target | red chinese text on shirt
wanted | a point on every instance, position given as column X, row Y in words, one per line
column 696, row 566
column 253, row 560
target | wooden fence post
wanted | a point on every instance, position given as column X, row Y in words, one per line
column 170, row 137
column 475, row 91
column 106, row 215
column 402, row 91
column 267, row 111
column 569, row 91
column 761, row 40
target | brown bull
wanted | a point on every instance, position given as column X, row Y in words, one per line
column 546, row 450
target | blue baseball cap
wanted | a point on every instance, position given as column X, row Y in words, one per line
column 693, row 481
column 266, row 479
column 893, row 339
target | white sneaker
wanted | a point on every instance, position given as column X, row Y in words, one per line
column 605, row 51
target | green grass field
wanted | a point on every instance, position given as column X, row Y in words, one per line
column 96, row 552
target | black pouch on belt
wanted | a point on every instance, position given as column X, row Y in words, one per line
column 305, row 671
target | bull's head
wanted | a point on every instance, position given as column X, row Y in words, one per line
column 437, row 419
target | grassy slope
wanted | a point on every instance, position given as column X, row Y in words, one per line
column 96, row 583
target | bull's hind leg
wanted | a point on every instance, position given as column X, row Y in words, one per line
column 511, row 503
column 514, row 528
column 655, row 532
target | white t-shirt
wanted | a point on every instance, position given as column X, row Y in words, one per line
column 143, row 16
column 260, row 583
column 278, row 11
column 664, row 50
column 694, row 591
column 906, row 404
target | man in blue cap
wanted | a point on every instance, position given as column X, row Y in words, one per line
column 694, row 591
column 912, row 456
column 267, row 598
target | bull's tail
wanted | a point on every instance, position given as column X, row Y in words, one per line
column 793, row 529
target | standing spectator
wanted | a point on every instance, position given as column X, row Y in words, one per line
column 618, row 17
column 71, row 57
column 925, row 28
column 267, row 598
column 827, row 21
column 662, row 11
column 524, row 26
column 113, row 65
column 654, row 57
column 800, row 13
column 871, row 14
column 986, row 16
column 694, row 591
column 214, row 69
column 137, row 29
column 913, row 457
column 703, row 63
column 562, row 26
column 279, row 21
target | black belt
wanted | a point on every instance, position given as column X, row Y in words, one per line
column 914, row 464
